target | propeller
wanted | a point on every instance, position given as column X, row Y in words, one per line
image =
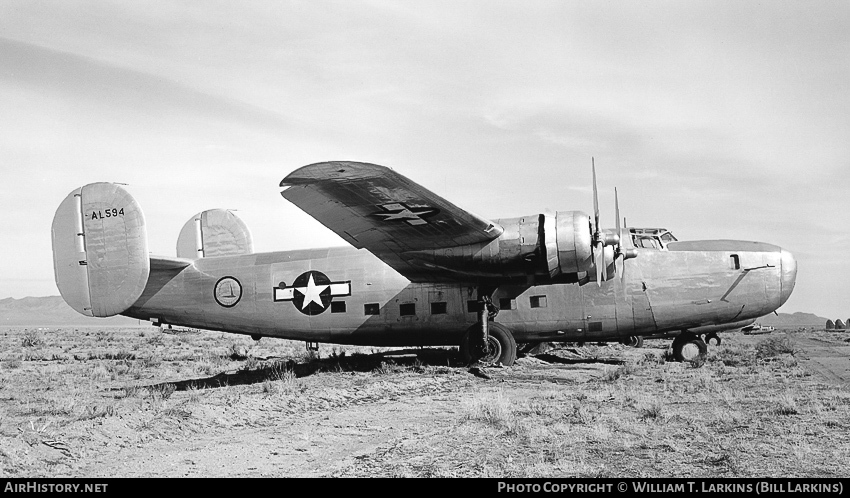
column 602, row 239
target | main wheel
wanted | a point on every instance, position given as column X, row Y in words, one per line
column 688, row 347
column 501, row 346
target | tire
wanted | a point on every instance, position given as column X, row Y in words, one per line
column 713, row 340
column 502, row 346
column 689, row 348
column 635, row 341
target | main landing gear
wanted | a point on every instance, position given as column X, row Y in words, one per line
column 501, row 346
column 488, row 343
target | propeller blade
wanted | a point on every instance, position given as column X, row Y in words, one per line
column 598, row 247
column 620, row 266
column 599, row 257
column 617, row 214
column 595, row 201
column 604, row 265
column 619, row 257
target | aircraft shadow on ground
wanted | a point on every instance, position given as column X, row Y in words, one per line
column 401, row 360
column 551, row 358
column 275, row 369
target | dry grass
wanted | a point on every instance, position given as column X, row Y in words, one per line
column 751, row 410
column 742, row 414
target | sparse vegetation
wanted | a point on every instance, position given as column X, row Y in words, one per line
column 775, row 346
column 787, row 404
column 613, row 373
column 753, row 409
column 32, row 339
column 162, row 391
column 492, row 408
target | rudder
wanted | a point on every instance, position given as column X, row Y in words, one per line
column 215, row 232
column 100, row 250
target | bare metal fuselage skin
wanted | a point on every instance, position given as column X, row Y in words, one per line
column 687, row 285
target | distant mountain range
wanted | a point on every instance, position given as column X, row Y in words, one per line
column 53, row 311
column 789, row 320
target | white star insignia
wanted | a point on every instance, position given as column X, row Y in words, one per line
column 312, row 293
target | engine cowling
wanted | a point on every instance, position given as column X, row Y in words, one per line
column 533, row 248
column 571, row 250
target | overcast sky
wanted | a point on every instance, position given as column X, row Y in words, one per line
column 714, row 119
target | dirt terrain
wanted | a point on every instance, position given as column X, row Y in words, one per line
column 137, row 402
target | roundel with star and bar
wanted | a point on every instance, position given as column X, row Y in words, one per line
column 312, row 292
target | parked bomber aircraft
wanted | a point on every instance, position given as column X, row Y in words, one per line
column 431, row 273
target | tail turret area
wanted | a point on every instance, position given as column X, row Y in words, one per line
column 100, row 250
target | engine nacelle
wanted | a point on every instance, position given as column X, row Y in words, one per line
column 537, row 248
column 570, row 251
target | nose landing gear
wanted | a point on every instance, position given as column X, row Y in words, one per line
column 688, row 346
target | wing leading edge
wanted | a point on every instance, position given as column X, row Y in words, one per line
column 375, row 208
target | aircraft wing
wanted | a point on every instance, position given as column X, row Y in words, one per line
column 375, row 208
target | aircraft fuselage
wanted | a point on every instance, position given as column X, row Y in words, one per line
column 349, row 296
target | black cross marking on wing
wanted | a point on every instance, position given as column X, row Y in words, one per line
column 398, row 211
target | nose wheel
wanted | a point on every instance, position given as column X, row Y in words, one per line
column 635, row 341
column 688, row 346
column 712, row 339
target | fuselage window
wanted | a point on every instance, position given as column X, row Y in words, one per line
column 438, row 309
column 372, row 309
column 407, row 309
column 507, row 304
column 472, row 306
column 538, row 302
column 337, row 306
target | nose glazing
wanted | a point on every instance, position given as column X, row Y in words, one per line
column 789, row 275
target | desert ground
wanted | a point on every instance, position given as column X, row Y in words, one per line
column 140, row 402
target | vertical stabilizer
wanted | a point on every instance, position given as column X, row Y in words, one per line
column 215, row 232
column 100, row 250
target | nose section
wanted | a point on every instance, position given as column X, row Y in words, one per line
column 788, row 276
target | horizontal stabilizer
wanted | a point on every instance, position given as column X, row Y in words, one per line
column 166, row 263
column 100, row 250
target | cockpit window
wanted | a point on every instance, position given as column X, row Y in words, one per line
column 646, row 242
column 651, row 238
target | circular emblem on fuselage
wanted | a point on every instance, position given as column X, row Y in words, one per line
column 228, row 292
column 312, row 292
